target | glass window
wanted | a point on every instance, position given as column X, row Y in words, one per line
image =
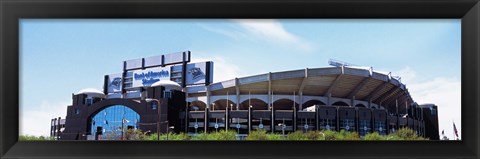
column 95, row 100
column 89, row 101
column 154, row 105
column 77, row 111
column 112, row 119
column 167, row 94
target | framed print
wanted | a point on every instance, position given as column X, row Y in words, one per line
column 310, row 79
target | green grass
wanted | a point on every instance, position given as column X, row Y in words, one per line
column 33, row 138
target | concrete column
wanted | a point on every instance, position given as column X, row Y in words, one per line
column 329, row 99
column 270, row 101
column 237, row 94
column 300, row 105
column 208, row 96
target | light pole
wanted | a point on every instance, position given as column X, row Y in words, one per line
column 283, row 129
column 171, row 127
column 158, row 115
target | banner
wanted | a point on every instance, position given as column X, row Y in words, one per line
column 196, row 73
column 147, row 77
column 115, row 83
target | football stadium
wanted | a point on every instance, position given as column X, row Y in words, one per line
column 169, row 93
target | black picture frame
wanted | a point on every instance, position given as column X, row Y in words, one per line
column 13, row 10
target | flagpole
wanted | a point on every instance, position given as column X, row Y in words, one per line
column 122, row 128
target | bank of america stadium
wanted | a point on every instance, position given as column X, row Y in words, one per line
column 169, row 93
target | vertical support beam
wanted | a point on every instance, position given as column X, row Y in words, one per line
column 208, row 96
column 338, row 119
column 300, row 90
column 356, row 120
column 316, row 118
column 300, row 102
column 398, row 119
column 294, row 114
column 205, row 120
column 184, row 72
column 227, row 120
column 124, row 75
column 270, row 94
column 237, row 93
column 272, row 110
column 186, row 110
column 329, row 99
column 249, row 119
column 352, row 100
column 272, row 117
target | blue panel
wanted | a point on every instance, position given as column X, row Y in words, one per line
column 134, row 64
column 153, row 61
column 111, row 120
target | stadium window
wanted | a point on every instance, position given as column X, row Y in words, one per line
column 89, row 101
column 167, row 94
column 97, row 100
column 154, row 106
column 433, row 111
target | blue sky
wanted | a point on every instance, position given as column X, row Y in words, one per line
column 61, row 57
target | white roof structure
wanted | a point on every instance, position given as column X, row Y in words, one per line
column 346, row 84
column 92, row 92
column 169, row 85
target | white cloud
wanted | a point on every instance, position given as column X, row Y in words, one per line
column 445, row 92
column 36, row 120
column 407, row 74
column 222, row 69
column 268, row 30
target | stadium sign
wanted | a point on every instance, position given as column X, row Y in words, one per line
column 147, row 77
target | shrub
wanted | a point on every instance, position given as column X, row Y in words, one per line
column 405, row 134
column 223, row 135
column 346, row 135
column 330, row 135
column 201, row 136
column 180, row 136
column 297, row 135
column 152, row 136
column 374, row 136
column 275, row 136
column 220, row 135
column 174, row 136
column 314, row 135
column 134, row 134
column 258, row 135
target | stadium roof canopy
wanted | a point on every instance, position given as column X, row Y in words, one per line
column 356, row 83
